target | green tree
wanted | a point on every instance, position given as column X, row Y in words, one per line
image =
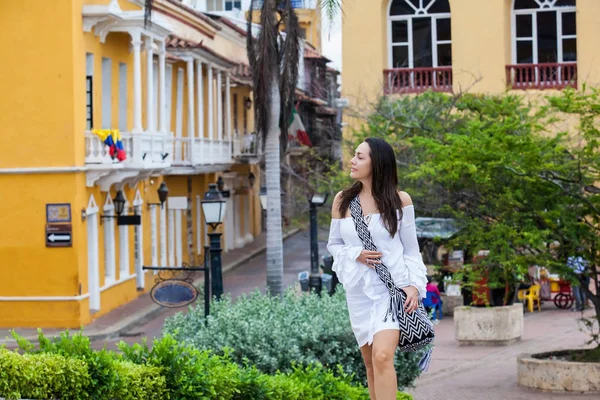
column 497, row 165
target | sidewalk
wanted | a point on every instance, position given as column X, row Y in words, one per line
column 143, row 309
column 490, row 373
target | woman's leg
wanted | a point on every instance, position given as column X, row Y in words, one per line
column 367, row 354
column 384, row 348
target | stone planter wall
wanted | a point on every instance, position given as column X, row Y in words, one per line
column 449, row 303
column 488, row 325
column 558, row 376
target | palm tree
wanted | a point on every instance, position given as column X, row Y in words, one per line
column 274, row 57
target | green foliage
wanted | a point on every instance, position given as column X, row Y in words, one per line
column 273, row 333
column 170, row 370
column 520, row 178
column 137, row 382
column 42, row 376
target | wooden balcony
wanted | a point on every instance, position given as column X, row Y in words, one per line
column 417, row 80
column 541, row 76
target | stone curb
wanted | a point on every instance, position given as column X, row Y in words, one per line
column 152, row 311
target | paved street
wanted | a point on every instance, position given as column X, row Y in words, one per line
column 490, row 373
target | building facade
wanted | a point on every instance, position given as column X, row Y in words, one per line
column 491, row 46
column 175, row 97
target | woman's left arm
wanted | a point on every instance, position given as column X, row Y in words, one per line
column 412, row 254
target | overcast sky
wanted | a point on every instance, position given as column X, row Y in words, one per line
column 332, row 42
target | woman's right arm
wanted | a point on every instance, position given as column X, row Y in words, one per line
column 348, row 270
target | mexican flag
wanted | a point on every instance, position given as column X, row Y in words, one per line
column 296, row 129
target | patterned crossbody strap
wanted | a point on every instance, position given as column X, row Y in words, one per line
column 397, row 295
column 364, row 235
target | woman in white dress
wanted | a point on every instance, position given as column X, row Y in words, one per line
column 390, row 217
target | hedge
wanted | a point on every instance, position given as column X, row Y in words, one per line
column 67, row 368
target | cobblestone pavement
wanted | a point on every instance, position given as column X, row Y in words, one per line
column 490, row 373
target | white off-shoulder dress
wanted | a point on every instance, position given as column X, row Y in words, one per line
column 367, row 296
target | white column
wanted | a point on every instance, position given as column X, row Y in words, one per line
column 163, row 236
column 178, row 239
column 228, row 112
column 136, row 41
column 162, row 66
column 153, row 237
column 200, row 103
column 219, row 105
column 211, row 105
column 140, row 276
column 171, row 238
column 191, row 129
column 150, row 113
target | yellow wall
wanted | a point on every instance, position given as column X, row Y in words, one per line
column 37, row 84
column 481, row 46
column 310, row 20
column 44, row 122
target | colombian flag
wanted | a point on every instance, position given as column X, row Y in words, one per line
column 112, row 138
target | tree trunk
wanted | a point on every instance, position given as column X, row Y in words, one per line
column 273, row 177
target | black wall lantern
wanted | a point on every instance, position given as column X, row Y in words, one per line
column 248, row 103
column 119, row 205
column 251, row 179
column 220, row 184
column 163, row 193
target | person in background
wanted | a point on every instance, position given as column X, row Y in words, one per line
column 578, row 264
column 433, row 288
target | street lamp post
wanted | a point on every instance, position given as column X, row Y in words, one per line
column 263, row 206
column 315, row 282
column 213, row 208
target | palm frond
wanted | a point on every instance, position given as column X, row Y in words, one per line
column 289, row 58
column 331, row 8
column 263, row 58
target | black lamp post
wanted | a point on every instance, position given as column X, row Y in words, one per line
column 315, row 282
column 263, row 205
column 213, row 208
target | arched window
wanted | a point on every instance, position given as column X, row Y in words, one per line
column 544, row 47
column 544, row 31
column 420, row 46
column 420, row 34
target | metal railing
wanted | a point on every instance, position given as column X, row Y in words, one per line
column 541, row 76
column 417, row 80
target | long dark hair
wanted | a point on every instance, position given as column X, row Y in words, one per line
column 384, row 185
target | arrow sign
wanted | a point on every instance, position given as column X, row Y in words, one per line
column 59, row 235
column 59, row 238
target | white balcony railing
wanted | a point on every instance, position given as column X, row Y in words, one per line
column 204, row 152
column 245, row 146
column 143, row 150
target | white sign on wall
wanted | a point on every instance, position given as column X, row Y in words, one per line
column 177, row 203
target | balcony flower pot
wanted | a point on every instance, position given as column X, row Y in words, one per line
column 559, row 372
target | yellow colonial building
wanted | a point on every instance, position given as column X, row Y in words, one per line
column 174, row 95
column 409, row 46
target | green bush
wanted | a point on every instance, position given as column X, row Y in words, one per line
column 273, row 333
column 110, row 377
column 198, row 374
column 138, row 382
column 42, row 376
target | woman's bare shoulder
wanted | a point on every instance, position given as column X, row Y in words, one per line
column 335, row 208
column 405, row 198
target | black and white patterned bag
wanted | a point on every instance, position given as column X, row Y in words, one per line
column 416, row 329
